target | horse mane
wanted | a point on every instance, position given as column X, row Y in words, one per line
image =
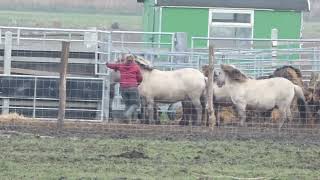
column 145, row 67
column 291, row 67
column 143, row 63
column 234, row 73
column 265, row 77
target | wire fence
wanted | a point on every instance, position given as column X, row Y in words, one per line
column 31, row 86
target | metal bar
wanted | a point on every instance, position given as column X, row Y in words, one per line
column 53, row 29
column 18, row 36
column 34, row 98
column 53, row 77
column 257, row 39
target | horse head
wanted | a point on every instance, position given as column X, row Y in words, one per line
column 205, row 71
column 143, row 63
column 231, row 73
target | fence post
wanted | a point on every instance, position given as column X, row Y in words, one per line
column 105, row 57
column 180, row 45
column 274, row 44
column 7, row 67
column 212, row 118
column 63, row 83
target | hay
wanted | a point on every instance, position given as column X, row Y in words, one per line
column 13, row 117
column 227, row 115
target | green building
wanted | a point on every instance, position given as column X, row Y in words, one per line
column 225, row 18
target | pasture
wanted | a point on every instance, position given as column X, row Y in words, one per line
column 116, row 156
column 69, row 20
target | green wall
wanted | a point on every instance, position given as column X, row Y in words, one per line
column 148, row 16
column 151, row 16
column 287, row 22
column 194, row 21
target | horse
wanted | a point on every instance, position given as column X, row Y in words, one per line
column 295, row 76
column 221, row 97
column 313, row 98
column 262, row 94
column 171, row 86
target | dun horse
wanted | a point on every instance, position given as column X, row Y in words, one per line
column 171, row 86
column 261, row 94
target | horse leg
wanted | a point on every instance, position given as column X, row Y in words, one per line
column 156, row 114
column 198, row 107
column 205, row 118
column 289, row 115
column 283, row 116
column 217, row 108
column 144, row 111
column 151, row 110
column 241, row 109
column 185, row 115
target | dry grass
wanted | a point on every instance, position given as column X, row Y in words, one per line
column 125, row 6
column 13, row 117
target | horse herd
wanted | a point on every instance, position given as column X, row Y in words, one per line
column 283, row 91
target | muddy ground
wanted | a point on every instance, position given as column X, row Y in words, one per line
column 168, row 132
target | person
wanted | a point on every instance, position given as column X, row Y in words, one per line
column 130, row 78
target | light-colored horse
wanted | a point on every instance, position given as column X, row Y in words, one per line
column 262, row 94
column 171, row 86
column 221, row 96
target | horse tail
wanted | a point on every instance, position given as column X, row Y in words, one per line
column 203, row 101
column 301, row 102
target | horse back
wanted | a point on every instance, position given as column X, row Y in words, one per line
column 176, row 84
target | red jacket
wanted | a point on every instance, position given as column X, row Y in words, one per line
column 130, row 74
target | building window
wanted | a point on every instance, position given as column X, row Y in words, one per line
column 231, row 24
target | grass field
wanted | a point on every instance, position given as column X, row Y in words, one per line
column 102, row 21
column 34, row 157
column 69, row 20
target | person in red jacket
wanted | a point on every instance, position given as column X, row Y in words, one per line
column 130, row 78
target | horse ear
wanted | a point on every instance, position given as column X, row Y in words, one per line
column 233, row 73
column 226, row 68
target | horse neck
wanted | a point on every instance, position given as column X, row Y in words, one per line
column 146, row 73
column 236, row 84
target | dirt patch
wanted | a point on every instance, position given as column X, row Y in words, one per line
column 133, row 154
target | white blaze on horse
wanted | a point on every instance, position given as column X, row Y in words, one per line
column 171, row 86
column 264, row 94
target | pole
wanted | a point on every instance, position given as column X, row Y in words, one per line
column 7, row 67
column 212, row 118
column 63, row 83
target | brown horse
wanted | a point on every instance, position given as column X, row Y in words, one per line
column 313, row 99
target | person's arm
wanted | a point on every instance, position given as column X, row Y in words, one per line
column 113, row 66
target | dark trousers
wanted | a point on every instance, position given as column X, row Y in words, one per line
column 131, row 100
column 130, row 96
